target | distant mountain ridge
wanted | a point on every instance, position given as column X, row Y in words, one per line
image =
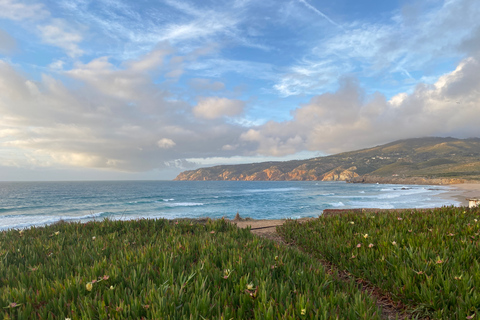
column 420, row 160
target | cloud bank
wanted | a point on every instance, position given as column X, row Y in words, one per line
column 116, row 118
column 110, row 117
column 350, row 119
column 127, row 86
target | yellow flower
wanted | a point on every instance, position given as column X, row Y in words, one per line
column 250, row 286
column 351, row 222
column 68, row 319
column 89, row 286
column 276, row 258
column 226, row 273
column 57, row 233
column 111, row 288
column 303, row 312
column 365, row 235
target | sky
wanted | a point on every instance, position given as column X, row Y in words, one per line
column 121, row 90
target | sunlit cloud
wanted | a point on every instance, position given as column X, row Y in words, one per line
column 125, row 86
column 212, row 108
column 350, row 119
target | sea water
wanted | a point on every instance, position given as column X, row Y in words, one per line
column 25, row 204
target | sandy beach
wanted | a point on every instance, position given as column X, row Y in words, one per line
column 463, row 191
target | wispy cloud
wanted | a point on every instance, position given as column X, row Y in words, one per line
column 138, row 86
column 320, row 13
column 59, row 34
column 401, row 45
column 350, row 119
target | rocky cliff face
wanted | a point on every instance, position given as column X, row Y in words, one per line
column 273, row 173
column 417, row 161
column 340, row 175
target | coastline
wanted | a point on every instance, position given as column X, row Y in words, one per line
column 460, row 192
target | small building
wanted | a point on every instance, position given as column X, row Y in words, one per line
column 474, row 202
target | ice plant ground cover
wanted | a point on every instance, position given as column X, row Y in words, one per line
column 159, row 269
column 429, row 260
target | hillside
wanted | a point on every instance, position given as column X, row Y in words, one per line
column 422, row 160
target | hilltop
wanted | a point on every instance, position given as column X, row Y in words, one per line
column 421, row 160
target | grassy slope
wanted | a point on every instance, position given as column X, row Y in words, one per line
column 156, row 269
column 428, row 260
column 424, row 157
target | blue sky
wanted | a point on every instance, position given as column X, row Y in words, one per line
column 143, row 89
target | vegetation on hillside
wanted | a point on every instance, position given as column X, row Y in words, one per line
column 159, row 269
column 425, row 157
column 429, row 260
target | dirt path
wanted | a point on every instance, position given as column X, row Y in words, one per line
column 267, row 229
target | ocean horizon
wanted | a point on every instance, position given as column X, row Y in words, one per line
column 27, row 204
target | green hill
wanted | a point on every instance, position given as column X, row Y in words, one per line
column 445, row 159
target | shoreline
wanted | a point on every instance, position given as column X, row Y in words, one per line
column 460, row 192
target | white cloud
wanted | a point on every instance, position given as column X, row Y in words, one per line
column 108, row 117
column 57, row 65
column 349, row 119
column 16, row 10
column 229, row 147
column 403, row 45
column 323, row 15
column 59, row 34
column 214, row 107
column 166, row 143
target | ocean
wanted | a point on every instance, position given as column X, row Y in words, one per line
column 26, row 204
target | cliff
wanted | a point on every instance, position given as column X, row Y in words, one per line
column 416, row 161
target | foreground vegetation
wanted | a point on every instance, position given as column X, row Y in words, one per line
column 159, row 269
column 428, row 259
